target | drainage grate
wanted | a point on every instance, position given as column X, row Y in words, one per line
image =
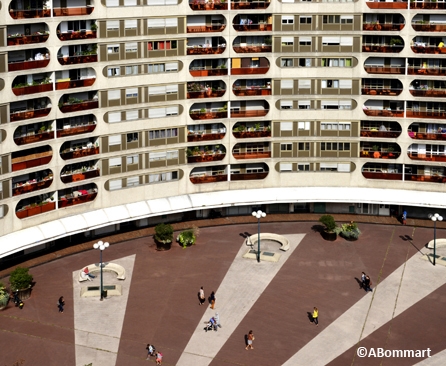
column 268, row 254
column 252, row 251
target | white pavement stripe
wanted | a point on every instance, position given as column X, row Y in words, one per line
column 420, row 278
column 439, row 359
column 243, row 284
column 98, row 324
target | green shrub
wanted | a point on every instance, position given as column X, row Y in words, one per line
column 329, row 222
column 349, row 231
column 164, row 233
column 20, row 279
column 187, row 237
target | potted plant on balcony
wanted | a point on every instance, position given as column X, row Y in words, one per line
column 163, row 236
column 329, row 232
column 349, row 231
column 4, row 296
column 21, row 281
column 390, row 150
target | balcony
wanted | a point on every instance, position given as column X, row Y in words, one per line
column 20, row 115
column 428, row 23
column 29, row 13
column 252, row 47
column 382, row 48
column 390, row 87
column 423, row 131
column 426, row 67
column 253, row 23
column 427, row 155
column 428, row 4
column 219, row 173
column 197, row 46
column 254, row 150
column 376, row 129
column 209, row 132
column 387, row 5
column 18, row 39
column 427, row 88
column 71, row 84
column 35, row 209
column 77, row 103
column 205, row 154
column 79, row 152
column 31, row 158
column 378, row 108
column 379, row 151
column 249, row 66
column 73, row 11
column 77, row 195
column 207, row 5
column 382, row 171
column 23, row 137
column 394, row 66
column 249, row 70
column 209, row 178
column 258, row 108
column 251, row 87
column 382, row 26
column 213, row 23
column 425, row 47
column 78, row 172
column 246, row 5
column 31, row 182
column 426, row 110
column 75, row 129
column 208, row 111
column 27, row 65
column 210, row 89
column 76, row 35
column 252, row 130
column 77, row 54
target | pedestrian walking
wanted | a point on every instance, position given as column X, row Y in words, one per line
column 404, row 218
column 363, row 276
column 250, row 340
column 60, row 304
column 315, row 316
column 212, row 299
column 150, row 350
column 367, row 284
column 159, row 358
column 217, row 321
column 201, row 296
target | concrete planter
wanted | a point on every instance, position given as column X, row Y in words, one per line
column 328, row 236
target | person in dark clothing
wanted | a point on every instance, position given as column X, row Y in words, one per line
column 367, row 284
column 60, row 304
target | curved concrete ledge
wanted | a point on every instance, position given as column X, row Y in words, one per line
column 107, row 267
column 45, row 232
column 439, row 243
column 253, row 239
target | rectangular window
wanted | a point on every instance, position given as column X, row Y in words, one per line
column 330, row 167
column 131, row 70
column 331, row 41
column 173, row 154
column 286, row 147
column 345, row 84
column 111, row 3
column 304, row 83
column 336, row 62
column 162, row 45
column 303, row 167
column 132, row 181
column 156, row 23
column 286, row 126
column 286, row 167
column 113, row 71
column 305, row 62
column 330, row 84
column 112, row 24
column 301, row 126
column 156, row 156
column 113, row 94
column 131, row 93
column 287, row 41
column 331, row 19
column 286, row 84
column 130, row 3
column 286, row 104
column 287, row 19
column 114, row 117
column 346, row 41
column 156, row 68
column 346, row 19
column 171, row 22
column 130, row 24
column 157, row 90
column 114, row 162
column 114, row 184
column 131, row 47
column 132, row 137
column 304, row 146
column 304, row 104
column 171, row 66
column 114, row 140
column 286, row 62
column 131, row 115
column 305, row 19
column 132, row 159
column 113, row 48
column 305, row 41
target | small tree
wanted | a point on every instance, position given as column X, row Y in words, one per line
column 187, row 237
column 329, row 222
column 164, row 233
column 20, row 279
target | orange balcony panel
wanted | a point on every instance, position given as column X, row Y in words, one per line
column 205, row 158
column 387, row 5
column 251, row 134
column 79, row 153
column 208, row 72
column 35, row 210
column 35, row 113
column 382, row 27
column 30, row 13
column 252, row 49
column 436, row 93
column 205, row 94
column 383, row 113
column 80, row 176
column 204, row 5
column 77, row 35
column 65, row 12
column 208, row 115
column 43, row 136
column 31, row 187
column 249, row 70
column 252, row 91
column 384, row 69
column 70, row 200
column 205, row 50
column 427, row 136
column 249, row 176
column 205, row 137
column 209, row 178
column 27, row 65
column 426, row 157
column 429, row 49
column 440, row 114
column 425, row 178
column 381, row 91
column 244, row 5
column 249, row 113
column 253, row 27
column 32, row 89
column 21, row 40
column 74, row 83
column 382, row 48
column 429, row 27
column 89, row 104
column 205, row 28
column 72, row 60
column 257, row 155
column 31, row 161
column 430, row 5
column 76, row 130
column 380, row 134
column 414, row 70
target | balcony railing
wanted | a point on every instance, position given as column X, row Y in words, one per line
column 193, row 50
column 31, row 186
column 425, row 178
column 19, row 40
column 205, row 28
column 192, row 137
column 75, row 130
column 426, row 156
column 243, row 5
column 419, row 70
column 40, row 136
column 65, row 12
column 203, row 158
column 429, row 113
column 249, row 70
column 259, row 27
column 252, row 155
column 383, row 175
column 33, row 210
column 79, row 153
column 249, row 113
column 69, row 84
column 86, row 104
column 198, row 179
column 382, row 26
column 249, row 176
column 76, row 198
column 383, row 113
column 432, row 5
column 205, row 94
column 383, row 48
column 375, row 69
column 27, row 65
column 252, row 48
column 436, row 93
column 428, row 49
column 208, row 114
column 209, row 72
column 431, row 27
column 32, row 89
column 251, row 91
column 30, row 13
column 380, row 134
column 84, row 34
column 207, row 5
column 379, row 154
column 387, row 5
column 251, row 134
column 82, row 59
column 380, row 91
column 79, row 175
column 28, row 114
column 31, row 161
column 427, row 136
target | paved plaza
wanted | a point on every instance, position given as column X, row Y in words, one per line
column 159, row 302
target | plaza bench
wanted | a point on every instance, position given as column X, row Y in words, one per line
column 284, row 243
column 107, row 267
column 439, row 243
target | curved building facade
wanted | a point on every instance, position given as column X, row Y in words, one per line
column 138, row 111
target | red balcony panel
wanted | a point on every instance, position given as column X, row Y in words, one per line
column 249, row 113
column 74, row 83
column 440, row 114
column 76, row 130
column 382, row 27
column 35, row 210
column 27, row 65
column 205, row 5
column 31, row 186
column 380, row 134
column 426, row 157
column 253, row 91
column 77, row 35
column 205, row 50
column 205, row 94
column 425, row 178
column 21, row 40
column 30, row 13
column 379, row 154
column 380, row 91
column 72, row 60
column 253, row 27
column 380, row 175
column 205, row 137
column 205, row 28
column 89, row 104
column 80, row 176
column 209, row 178
column 208, row 115
column 387, row 5
column 252, row 49
column 79, row 153
column 32, row 89
column 430, row 5
column 249, row 176
column 429, row 27
column 384, row 69
column 244, row 5
column 249, row 70
column 251, row 134
column 382, row 48
column 41, row 136
column 435, row 93
column 65, row 12
column 209, row 72
column 202, row 158
column 31, row 161
column 427, row 136
column 418, row 70
column 429, row 49
column 383, row 113
column 35, row 113
column 71, row 200
column 257, row 155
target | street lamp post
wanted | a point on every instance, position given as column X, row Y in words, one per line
column 258, row 214
column 101, row 246
column 435, row 217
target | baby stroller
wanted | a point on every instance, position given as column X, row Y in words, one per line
column 211, row 325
